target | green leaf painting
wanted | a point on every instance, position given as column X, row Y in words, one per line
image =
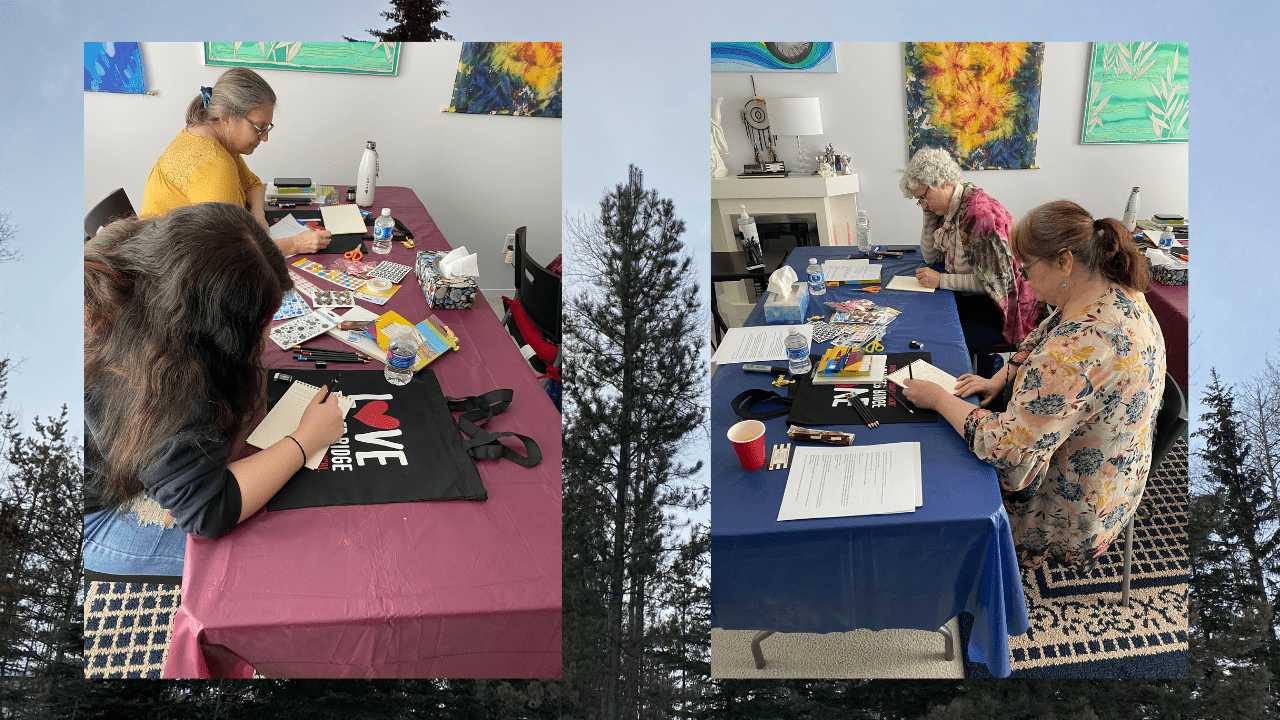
column 1138, row 93
column 362, row 58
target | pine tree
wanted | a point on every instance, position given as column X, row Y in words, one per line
column 414, row 21
column 1233, row 644
column 635, row 386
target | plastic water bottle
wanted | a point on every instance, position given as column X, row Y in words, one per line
column 864, row 233
column 382, row 229
column 750, row 240
column 402, row 352
column 1166, row 239
column 817, row 283
column 367, row 177
column 797, row 353
column 1131, row 211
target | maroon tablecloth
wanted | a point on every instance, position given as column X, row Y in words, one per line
column 1169, row 303
column 426, row 589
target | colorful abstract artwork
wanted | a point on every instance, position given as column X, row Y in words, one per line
column 359, row 58
column 113, row 67
column 1137, row 93
column 980, row 101
column 773, row 57
column 508, row 78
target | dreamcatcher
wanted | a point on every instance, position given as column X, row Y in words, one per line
column 755, row 119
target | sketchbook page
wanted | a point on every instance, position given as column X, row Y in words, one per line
column 356, row 338
column 847, row 271
column 757, row 344
column 285, row 417
column 853, row 480
column 921, row 370
column 907, row 282
column 342, row 219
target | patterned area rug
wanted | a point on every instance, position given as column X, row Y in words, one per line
column 1078, row 627
column 126, row 628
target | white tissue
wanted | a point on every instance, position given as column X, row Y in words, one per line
column 782, row 283
column 1159, row 257
column 459, row 264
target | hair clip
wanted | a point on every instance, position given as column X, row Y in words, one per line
column 205, row 93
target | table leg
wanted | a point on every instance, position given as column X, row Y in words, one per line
column 756, row 652
column 951, row 643
column 719, row 327
column 1128, row 562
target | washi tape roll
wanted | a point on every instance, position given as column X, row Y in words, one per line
column 379, row 285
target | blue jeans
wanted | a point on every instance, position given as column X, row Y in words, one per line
column 119, row 544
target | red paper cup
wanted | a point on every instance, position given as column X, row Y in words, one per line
column 748, row 440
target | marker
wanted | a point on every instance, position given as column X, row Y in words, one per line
column 329, row 389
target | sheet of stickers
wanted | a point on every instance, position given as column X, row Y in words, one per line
column 853, row 323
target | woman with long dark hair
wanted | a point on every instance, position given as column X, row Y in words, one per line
column 1073, row 447
column 177, row 310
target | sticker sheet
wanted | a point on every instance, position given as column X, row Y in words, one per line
column 376, row 298
column 292, row 306
column 394, row 272
column 354, row 268
column 334, row 298
column 306, row 287
column 333, row 276
column 303, row 328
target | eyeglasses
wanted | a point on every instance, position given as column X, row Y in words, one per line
column 1022, row 270
column 924, row 197
column 261, row 131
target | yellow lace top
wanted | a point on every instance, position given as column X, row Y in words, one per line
column 193, row 170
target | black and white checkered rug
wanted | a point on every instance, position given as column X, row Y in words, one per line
column 127, row 628
column 1078, row 627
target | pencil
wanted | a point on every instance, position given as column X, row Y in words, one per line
column 867, row 417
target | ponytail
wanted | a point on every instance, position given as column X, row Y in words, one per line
column 1102, row 245
column 1118, row 258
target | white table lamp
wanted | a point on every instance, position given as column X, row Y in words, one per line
column 796, row 116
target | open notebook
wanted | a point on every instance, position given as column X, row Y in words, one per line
column 921, row 370
column 287, row 414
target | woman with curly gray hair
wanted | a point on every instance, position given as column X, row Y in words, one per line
column 969, row 231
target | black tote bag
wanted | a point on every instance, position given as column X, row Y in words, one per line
column 400, row 444
column 829, row 405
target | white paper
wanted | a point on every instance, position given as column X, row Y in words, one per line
column 921, row 370
column 286, row 415
column 342, row 219
column 847, row 271
column 907, row 282
column 757, row 344
column 855, row 480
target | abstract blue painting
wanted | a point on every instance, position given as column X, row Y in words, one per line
column 773, row 57
column 113, row 67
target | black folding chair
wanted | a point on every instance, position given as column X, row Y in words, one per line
column 113, row 207
column 538, row 291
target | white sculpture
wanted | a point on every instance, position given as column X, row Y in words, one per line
column 824, row 167
column 718, row 144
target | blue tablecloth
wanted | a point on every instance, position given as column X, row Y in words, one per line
column 914, row 570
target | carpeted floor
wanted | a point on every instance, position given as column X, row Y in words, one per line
column 1078, row 627
column 856, row 654
column 126, row 628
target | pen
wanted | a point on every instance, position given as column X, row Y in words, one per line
column 331, row 388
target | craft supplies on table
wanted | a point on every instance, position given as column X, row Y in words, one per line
column 392, row 271
column 443, row 294
column 291, row 306
column 333, row 276
column 286, row 415
column 302, row 328
column 302, row 285
column 334, row 298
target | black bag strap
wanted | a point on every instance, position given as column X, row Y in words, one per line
column 483, row 445
column 748, row 399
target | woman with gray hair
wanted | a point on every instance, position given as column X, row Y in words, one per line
column 204, row 162
column 969, row 231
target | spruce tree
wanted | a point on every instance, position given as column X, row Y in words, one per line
column 1233, row 655
column 413, row 21
column 635, row 386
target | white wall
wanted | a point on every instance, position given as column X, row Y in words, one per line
column 864, row 115
column 480, row 176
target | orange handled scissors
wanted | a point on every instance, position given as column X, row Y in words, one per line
column 353, row 255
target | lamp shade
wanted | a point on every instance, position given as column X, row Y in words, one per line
column 794, row 116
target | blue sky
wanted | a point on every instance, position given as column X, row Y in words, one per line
column 636, row 81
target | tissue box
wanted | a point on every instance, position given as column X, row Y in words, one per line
column 789, row 312
column 443, row 294
column 1172, row 274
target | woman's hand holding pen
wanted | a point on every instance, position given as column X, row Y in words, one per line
column 923, row 393
column 928, row 277
column 309, row 241
column 986, row 388
column 322, row 422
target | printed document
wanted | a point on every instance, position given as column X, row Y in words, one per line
column 854, row 480
column 757, row 344
column 850, row 271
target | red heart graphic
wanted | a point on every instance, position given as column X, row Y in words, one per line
column 374, row 414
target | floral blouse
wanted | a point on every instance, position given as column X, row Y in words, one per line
column 1073, row 449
